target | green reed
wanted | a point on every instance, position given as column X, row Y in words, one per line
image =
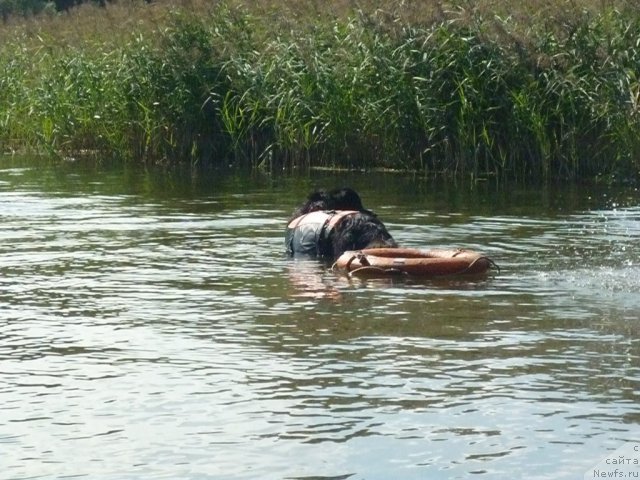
column 546, row 95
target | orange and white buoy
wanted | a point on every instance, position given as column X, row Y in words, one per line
column 411, row 261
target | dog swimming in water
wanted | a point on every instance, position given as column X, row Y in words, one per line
column 331, row 223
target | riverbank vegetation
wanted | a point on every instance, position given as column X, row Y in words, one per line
column 538, row 90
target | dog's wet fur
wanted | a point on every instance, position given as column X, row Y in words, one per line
column 353, row 232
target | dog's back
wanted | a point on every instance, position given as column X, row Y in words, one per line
column 359, row 231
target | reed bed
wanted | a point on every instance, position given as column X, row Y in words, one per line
column 543, row 91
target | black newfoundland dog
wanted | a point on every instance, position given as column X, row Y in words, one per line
column 330, row 223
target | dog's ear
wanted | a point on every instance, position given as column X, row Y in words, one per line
column 317, row 196
column 318, row 200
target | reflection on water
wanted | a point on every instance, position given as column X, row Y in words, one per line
column 152, row 327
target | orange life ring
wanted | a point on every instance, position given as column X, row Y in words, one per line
column 412, row 261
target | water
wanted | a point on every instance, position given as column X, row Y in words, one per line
column 152, row 328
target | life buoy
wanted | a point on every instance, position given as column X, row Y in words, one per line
column 411, row 261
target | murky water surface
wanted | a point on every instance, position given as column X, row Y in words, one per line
column 151, row 327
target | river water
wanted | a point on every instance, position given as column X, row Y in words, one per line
column 152, row 328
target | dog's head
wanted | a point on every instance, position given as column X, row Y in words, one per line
column 345, row 199
column 337, row 199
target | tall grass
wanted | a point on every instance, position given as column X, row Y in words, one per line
column 538, row 91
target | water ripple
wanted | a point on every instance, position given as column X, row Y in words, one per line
column 147, row 337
